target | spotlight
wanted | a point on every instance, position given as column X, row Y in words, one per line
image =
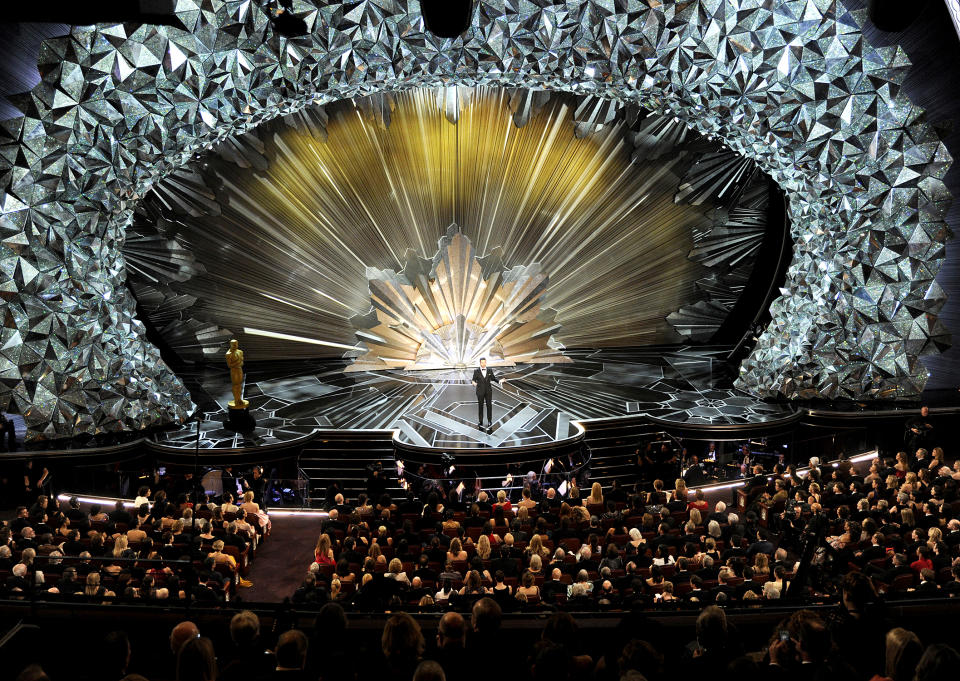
column 446, row 18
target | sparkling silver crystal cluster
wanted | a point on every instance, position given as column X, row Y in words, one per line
column 791, row 84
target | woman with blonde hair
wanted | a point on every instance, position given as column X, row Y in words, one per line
column 396, row 573
column 254, row 513
column 322, row 552
column 536, row 548
column 761, row 564
column 483, row 547
column 120, row 546
column 248, row 504
column 503, row 502
column 695, row 517
column 710, row 549
column 383, row 536
column 680, row 491
column 909, row 483
column 92, row 589
column 596, row 495
column 335, row 589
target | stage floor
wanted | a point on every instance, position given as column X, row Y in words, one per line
column 438, row 409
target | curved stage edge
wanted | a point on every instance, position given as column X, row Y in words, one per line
column 586, row 429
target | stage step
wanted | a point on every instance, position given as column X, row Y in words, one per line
column 346, row 460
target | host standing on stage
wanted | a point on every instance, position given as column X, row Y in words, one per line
column 483, row 378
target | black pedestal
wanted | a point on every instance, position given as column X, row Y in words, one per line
column 240, row 420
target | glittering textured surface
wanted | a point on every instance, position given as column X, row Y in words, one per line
column 283, row 224
column 453, row 310
column 790, row 84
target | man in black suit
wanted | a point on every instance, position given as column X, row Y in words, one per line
column 333, row 523
column 900, row 567
column 483, row 379
column 918, row 429
column 928, row 582
column 119, row 515
column 552, row 586
column 505, row 563
column 350, row 553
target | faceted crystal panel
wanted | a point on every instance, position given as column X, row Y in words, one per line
column 790, row 84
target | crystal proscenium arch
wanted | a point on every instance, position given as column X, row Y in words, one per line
column 792, row 84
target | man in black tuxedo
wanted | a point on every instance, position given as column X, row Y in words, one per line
column 918, row 429
column 483, row 379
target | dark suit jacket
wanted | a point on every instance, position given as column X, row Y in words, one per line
column 888, row 575
column 484, row 384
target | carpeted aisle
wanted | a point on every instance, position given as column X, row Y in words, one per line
column 282, row 560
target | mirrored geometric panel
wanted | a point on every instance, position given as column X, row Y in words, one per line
column 790, row 84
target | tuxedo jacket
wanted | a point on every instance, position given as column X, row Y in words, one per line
column 484, row 384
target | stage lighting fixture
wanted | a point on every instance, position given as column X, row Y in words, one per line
column 894, row 15
column 446, row 18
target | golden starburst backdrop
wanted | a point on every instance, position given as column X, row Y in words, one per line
column 286, row 259
column 452, row 312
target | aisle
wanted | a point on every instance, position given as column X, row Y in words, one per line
column 283, row 559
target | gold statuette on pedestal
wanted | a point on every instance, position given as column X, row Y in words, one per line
column 235, row 362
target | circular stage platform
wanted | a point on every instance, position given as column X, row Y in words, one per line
column 539, row 403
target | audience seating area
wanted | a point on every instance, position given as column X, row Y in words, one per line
column 895, row 528
column 831, row 554
column 160, row 552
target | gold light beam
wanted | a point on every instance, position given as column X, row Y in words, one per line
column 289, row 252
